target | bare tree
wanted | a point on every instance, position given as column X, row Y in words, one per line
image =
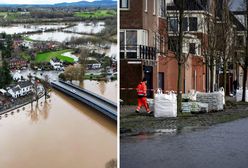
column 243, row 56
column 209, row 49
column 84, row 54
column 180, row 41
column 226, row 38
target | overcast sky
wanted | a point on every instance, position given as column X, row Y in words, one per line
column 37, row 1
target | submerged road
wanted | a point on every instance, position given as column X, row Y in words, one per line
column 221, row 146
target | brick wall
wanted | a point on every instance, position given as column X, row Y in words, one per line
column 133, row 17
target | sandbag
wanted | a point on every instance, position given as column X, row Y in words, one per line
column 214, row 100
column 239, row 94
column 165, row 105
column 222, row 92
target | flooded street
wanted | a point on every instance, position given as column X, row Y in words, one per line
column 61, row 134
column 224, row 145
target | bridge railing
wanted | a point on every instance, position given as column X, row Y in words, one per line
column 91, row 93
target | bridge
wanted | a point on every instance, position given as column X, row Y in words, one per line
column 93, row 100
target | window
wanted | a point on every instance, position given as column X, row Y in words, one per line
column 170, row 2
column 122, row 40
column 146, row 6
column 161, row 80
column 124, row 4
column 173, row 24
column 162, row 8
column 185, row 24
column 240, row 40
column 192, row 48
column 131, row 40
column 173, row 44
column 189, row 24
column 154, row 7
column 193, row 24
column 128, row 44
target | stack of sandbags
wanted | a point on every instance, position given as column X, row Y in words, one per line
column 214, row 100
column 195, row 107
column 239, row 94
column 203, row 107
column 165, row 105
column 186, row 107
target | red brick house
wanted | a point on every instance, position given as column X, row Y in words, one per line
column 17, row 63
column 142, row 40
column 145, row 49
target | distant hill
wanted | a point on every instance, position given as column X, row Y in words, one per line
column 97, row 3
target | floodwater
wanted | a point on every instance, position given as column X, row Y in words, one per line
column 58, row 36
column 80, row 27
column 60, row 134
column 89, row 28
column 24, row 28
column 106, row 89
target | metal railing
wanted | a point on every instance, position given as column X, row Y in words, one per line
column 138, row 52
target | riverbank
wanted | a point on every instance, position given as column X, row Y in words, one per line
column 132, row 124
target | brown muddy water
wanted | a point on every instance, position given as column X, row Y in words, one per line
column 61, row 133
column 102, row 88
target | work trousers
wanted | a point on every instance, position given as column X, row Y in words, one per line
column 142, row 101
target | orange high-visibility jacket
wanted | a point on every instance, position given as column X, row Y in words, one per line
column 141, row 89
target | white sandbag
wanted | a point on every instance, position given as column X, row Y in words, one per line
column 239, row 94
column 165, row 105
column 193, row 94
column 222, row 92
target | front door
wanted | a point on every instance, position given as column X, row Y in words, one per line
column 148, row 71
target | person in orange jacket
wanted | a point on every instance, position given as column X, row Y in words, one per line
column 142, row 93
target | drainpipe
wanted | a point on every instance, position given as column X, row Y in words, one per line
column 195, row 80
column 184, row 78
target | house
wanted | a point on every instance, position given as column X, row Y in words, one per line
column 142, row 44
column 94, row 66
column 3, row 92
column 21, row 89
column 4, row 101
column 17, row 63
column 195, row 74
column 57, row 65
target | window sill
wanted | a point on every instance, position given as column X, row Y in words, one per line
column 124, row 9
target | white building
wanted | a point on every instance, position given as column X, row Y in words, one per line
column 57, row 65
column 21, row 89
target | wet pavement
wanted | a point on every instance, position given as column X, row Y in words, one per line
column 221, row 146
